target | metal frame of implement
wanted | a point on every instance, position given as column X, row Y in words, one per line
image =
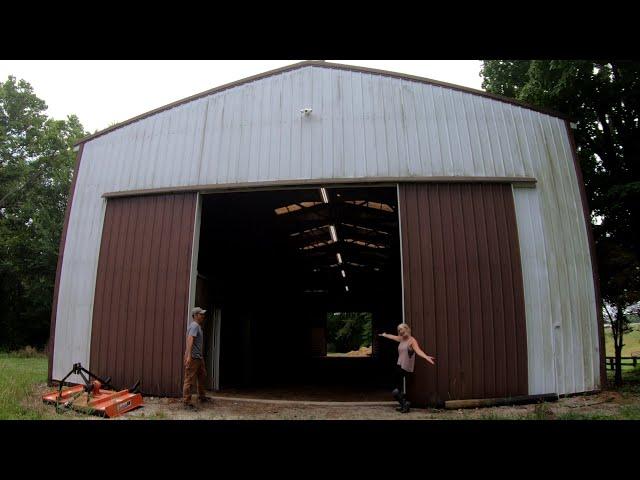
column 91, row 398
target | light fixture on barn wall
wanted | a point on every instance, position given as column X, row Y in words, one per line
column 306, row 111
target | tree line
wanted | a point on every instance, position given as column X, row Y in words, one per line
column 36, row 167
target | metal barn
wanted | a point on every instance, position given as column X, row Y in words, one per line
column 322, row 188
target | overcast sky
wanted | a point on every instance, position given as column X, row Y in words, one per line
column 102, row 92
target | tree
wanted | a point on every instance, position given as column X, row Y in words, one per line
column 602, row 97
column 36, row 166
column 348, row 331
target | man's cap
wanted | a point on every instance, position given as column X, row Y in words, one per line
column 197, row 310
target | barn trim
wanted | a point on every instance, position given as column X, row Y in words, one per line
column 523, row 182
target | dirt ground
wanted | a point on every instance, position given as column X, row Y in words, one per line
column 606, row 404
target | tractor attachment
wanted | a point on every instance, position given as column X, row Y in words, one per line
column 91, row 398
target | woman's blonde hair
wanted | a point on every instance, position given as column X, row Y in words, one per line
column 406, row 327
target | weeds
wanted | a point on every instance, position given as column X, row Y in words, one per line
column 496, row 416
column 542, row 411
column 630, row 412
column 630, row 381
column 27, row 352
column 585, row 416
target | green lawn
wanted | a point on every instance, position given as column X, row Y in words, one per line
column 631, row 341
column 19, row 377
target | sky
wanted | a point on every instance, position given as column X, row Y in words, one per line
column 104, row 92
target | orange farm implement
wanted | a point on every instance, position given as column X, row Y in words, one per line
column 91, row 398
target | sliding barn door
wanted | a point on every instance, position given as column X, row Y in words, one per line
column 142, row 292
column 463, row 290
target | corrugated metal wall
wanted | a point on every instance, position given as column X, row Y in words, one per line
column 142, row 292
column 463, row 293
column 535, row 270
column 362, row 126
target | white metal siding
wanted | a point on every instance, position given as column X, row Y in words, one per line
column 537, row 297
column 362, row 126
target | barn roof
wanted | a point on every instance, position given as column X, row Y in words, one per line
column 322, row 64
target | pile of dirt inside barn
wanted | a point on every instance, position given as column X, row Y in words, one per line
column 361, row 352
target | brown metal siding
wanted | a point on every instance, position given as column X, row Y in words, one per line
column 463, row 290
column 142, row 291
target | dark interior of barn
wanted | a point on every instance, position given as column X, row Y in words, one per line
column 274, row 263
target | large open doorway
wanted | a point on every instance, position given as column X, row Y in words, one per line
column 278, row 268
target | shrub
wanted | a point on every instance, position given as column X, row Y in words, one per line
column 27, row 352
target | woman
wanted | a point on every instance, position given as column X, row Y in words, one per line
column 408, row 346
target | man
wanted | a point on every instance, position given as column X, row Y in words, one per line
column 194, row 370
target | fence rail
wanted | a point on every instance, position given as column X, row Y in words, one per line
column 632, row 361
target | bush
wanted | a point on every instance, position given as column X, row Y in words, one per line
column 27, row 352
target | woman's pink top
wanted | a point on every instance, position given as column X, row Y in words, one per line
column 406, row 356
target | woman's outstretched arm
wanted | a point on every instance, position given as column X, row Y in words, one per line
column 418, row 350
column 389, row 336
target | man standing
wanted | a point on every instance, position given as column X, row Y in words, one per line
column 194, row 370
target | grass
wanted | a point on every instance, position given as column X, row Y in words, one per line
column 20, row 373
column 630, row 381
column 631, row 341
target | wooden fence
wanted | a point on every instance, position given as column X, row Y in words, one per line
column 624, row 361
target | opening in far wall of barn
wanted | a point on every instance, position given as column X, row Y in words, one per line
column 275, row 267
column 349, row 334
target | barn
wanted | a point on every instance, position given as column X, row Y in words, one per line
column 320, row 188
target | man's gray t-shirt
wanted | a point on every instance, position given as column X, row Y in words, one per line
column 195, row 330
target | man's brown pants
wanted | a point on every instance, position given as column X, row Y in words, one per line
column 194, row 373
